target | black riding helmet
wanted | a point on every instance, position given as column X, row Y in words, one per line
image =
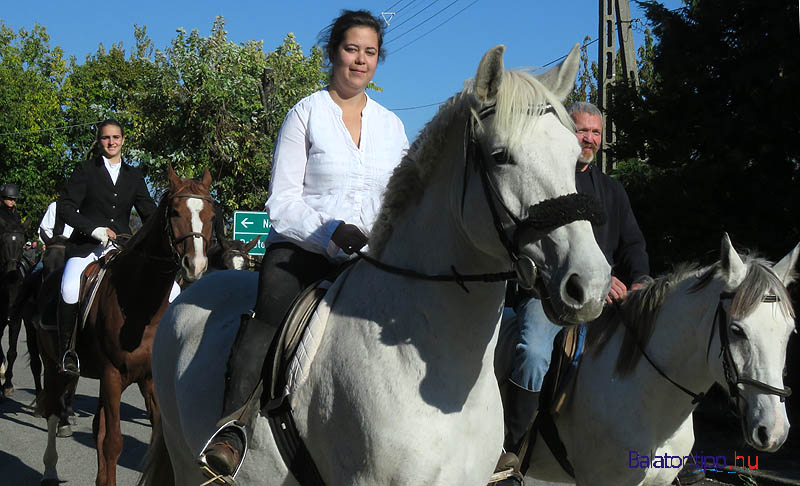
column 9, row 191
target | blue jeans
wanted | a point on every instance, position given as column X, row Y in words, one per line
column 535, row 334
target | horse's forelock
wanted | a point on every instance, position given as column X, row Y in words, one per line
column 759, row 281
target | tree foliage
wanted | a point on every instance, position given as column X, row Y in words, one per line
column 715, row 126
column 199, row 102
column 31, row 76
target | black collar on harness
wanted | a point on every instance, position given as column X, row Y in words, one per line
column 543, row 217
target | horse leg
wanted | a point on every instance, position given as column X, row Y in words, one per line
column 149, row 395
column 65, row 407
column 13, row 336
column 107, row 427
column 50, row 458
column 33, row 351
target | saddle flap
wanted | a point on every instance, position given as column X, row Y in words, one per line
column 287, row 340
column 90, row 282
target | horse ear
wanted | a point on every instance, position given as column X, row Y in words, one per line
column 561, row 79
column 490, row 74
column 784, row 269
column 206, row 178
column 731, row 263
column 251, row 244
column 174, row 180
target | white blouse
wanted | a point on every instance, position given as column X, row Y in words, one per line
column 320, row 178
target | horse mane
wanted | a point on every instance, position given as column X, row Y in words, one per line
column 187, row 185
column 641, row 307
column 410, row 178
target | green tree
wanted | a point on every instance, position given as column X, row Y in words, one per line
column 31, row 75
column 586, row 85
column 213, row 103
column 716, row 128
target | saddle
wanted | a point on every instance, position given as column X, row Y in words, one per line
column 90, row 282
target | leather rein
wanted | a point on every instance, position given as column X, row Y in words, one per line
column 732, row 376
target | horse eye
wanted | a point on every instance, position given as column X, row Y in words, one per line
column 502, row 157
column 737, row 331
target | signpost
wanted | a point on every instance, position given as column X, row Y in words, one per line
column 251, row 224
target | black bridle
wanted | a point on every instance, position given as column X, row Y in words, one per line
column 543, row 217
column 732, row 376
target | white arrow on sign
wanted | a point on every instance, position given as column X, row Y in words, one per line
column 246, row 223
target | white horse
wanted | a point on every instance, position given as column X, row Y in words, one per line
column 399, row 386
column 621, row 414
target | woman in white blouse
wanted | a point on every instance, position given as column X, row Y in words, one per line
column 334, row 155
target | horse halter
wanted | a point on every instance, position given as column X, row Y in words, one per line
column 543, row 217
column 173, row 242
column 732, row 375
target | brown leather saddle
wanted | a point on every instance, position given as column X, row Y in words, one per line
column 90, row 283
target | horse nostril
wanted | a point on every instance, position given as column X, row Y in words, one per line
column 763, row 437
column 574, row 288
column 186, row 262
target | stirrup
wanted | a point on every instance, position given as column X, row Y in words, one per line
column 64, row 370
column 210, row 473
column 509, row 473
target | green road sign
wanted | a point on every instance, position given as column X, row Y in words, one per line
column 251, row 224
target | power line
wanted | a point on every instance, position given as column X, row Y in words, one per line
column 439, row 103
column 419, row 24
column 27, row 132
column 406, row 5
column 393, row 6
column 406, row 20
column 441, row 24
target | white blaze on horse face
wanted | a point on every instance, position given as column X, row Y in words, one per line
column 238, row 262
column 761, row 356
column 195, row 205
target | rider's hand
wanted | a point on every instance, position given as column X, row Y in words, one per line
column 349, row 238
column 111, row 235
column 101, row 234
column 618, row 290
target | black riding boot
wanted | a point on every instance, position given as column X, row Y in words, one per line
column 519, row 410
column 67, row 318
column 226, row 449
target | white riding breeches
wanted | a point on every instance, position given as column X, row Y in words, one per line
column 71, row 281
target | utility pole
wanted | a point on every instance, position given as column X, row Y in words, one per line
column 615, row 17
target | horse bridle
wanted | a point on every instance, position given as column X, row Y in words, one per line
column 543, row 217
column 173, row 242
column 732, row 376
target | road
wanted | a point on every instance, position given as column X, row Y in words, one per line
column 23, row 437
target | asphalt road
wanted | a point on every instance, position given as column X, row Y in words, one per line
column 23, row 437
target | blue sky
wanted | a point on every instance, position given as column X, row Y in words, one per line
column 432, row 48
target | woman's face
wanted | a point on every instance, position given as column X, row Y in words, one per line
column 355, row 61
column 111, row 140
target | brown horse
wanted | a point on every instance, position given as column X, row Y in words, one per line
column 116, row 341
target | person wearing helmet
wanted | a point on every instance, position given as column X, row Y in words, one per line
column 8, row 210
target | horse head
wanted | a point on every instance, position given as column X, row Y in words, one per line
column 756, row 320
column 237, row 254
column 526, row 143
column 12, row 239
column 190, row 215
column 54, row 255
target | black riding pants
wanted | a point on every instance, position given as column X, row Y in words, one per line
column 286, row 270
